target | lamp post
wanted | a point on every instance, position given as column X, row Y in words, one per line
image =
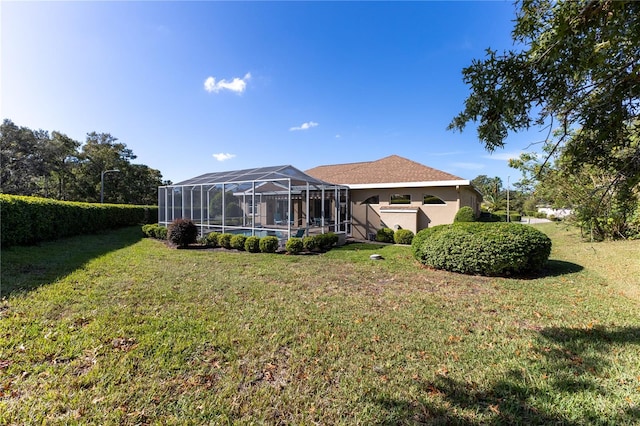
column 102, row 183
column 508, row 213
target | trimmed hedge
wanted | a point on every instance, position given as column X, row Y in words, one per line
column 294, row 245
column 310, row 243
column 28, row 220
column 324, row 242
column 384, row 235
column 224, row 240
column 252, row 244
column 465, row 214
column 483, row 248
column 269, row 244
column 513, row 216
column 403, row 236
column 237, row 242
column 153, row 230
column 212, row 239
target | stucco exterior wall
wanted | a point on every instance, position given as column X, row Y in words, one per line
column 368, row 218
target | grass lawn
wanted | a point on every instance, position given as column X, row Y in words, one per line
column 115, row 329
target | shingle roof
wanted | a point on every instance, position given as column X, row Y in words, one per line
column 390, row 169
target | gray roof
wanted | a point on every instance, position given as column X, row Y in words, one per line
column 260, row 174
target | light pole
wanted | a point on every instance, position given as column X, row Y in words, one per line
column 508, row 213
column 102, row 183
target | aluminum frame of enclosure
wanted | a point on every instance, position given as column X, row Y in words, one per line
column 280, row 201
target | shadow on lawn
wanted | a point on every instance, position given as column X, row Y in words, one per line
column 553, row 268
column 25, row 268
column 573, row 362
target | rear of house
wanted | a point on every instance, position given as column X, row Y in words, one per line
column 395, row 192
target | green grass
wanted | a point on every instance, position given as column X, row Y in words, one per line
column 114, row 329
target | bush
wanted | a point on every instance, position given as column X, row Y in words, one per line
column 294, row 245
column 269, row 244
column 324, row 242
column 485, row 249
column 384, row 235
column 403, row 236
column 154, row 230
column 237, row 241
column 224, row 240
column 147, row 230
column 183, row 232
column 310, row 243
column 465, row 214
column 486, row 216
column 252, row 244
column 513, row 216
column 212, row 239
column 160, row 232
column 418, row 240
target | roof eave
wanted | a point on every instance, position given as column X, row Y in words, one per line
column 407, row 184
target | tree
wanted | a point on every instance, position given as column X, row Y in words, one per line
column 490, row 188
column 601, row 208
column 578, row 70
column 56, row 166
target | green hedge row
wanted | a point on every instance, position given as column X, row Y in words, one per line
column 28, row 220
column 499, row 216
column 482, row 248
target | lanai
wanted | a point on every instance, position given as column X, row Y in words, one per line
column 279, row 200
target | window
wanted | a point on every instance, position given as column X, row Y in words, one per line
column 374, row 199
column 400, row 199
column 432, row 199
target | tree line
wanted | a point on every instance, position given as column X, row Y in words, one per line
column 53, row 165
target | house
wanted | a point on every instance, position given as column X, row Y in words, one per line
column 353, row 199
column 396, row 192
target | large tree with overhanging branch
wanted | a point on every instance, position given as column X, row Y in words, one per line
column 575, row 68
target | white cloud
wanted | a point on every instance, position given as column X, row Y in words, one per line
column 503, row 156
column 468, row 166
column 223, row 156
column 304, row 126
column 238, row 85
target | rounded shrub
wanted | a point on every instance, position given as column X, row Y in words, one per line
column 483, row 248
column 324, row 242
column 183, row 232
column 384, row 235
column 147, row 230
column 224, row 240
column 403, row 236
column 310, row 243
column 252, row 244
column 465, row 214
column 294, row 245
column 269, row 244
column 160, row 232
column 212, row 239
column 237, row 241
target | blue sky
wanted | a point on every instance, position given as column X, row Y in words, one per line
column 195, row 87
